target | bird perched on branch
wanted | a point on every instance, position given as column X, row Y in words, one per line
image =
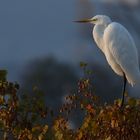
column 119, row 48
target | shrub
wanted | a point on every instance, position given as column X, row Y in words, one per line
column 23, row 117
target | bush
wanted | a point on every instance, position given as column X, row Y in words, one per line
column 23, row 117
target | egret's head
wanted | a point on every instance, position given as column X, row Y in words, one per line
column 98, row 19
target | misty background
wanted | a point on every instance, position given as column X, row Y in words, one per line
column 41, row 45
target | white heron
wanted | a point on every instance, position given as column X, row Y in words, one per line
column 118, row 47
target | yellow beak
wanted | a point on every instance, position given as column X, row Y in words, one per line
column 84, row 21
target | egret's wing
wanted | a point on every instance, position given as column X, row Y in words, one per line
column 119, row 43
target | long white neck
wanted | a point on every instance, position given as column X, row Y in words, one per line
column 98, row 32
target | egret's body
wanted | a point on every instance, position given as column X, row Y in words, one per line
column 118, row 47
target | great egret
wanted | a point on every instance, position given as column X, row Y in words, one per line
column 118, row 47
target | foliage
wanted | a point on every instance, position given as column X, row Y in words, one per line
column 23, row 116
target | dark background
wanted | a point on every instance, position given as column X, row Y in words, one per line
column 41, row 45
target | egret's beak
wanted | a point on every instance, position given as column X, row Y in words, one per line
column 84, row 21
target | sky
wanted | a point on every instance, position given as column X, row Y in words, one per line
column 33, row 29
column 128, row 2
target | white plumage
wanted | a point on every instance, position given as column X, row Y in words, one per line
column 118, row 47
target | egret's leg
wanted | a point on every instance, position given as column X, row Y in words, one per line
column 123, row 91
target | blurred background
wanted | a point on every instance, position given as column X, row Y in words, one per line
column 41, row 45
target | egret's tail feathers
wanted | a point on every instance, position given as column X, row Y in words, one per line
column 134, row 80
